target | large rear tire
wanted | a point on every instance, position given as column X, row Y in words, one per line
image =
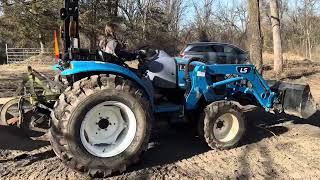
column 101, row 125
column 224, row 125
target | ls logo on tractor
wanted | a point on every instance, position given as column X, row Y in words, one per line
column 244, row 70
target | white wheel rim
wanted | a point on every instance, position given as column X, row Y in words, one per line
column 226, row 127
column 108, row 129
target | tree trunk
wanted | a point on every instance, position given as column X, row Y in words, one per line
column 254, row 31
column 309, row 45
column 276, row 33
column 93, row 40
column 41, row 47
column 41, row 44
column 306, row 52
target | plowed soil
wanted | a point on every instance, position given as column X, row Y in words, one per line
column 274, row 147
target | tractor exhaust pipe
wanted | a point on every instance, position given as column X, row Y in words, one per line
column 296, row 99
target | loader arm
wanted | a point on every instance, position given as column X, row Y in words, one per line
column 292, row 99
column 255, row 85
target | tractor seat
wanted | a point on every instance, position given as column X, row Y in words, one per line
column 85, row 54
column 94, row 55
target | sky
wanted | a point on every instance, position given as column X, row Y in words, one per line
column 189, row 13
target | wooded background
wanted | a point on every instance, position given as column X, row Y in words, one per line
column 170, row 24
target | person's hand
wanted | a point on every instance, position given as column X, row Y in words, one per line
column 141, row 53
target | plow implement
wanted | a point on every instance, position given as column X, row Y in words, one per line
column 32, row 104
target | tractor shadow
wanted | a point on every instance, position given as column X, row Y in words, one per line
column 173, row 143
column 180, row 141
column 12, row 138
column 272, row 120
column 169, row 142
column 261, row 125
column 17, row 148
column 274, row 125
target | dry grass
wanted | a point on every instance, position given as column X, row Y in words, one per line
column 23, row 68
column 11, row 77
column 295, row 66
column 294, row 69
column 287, row 57
column 39, row 59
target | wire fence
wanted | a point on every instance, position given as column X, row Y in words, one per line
column 29, row 55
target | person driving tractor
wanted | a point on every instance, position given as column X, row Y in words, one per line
column 111, row 45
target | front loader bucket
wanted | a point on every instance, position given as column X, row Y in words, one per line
column 296, row 99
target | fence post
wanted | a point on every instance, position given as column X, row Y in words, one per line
column 7, row 53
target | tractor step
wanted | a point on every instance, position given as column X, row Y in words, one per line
column 168, row 108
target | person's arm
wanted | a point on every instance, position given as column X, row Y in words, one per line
column 102, row 44
column 113, row 47
column 124, row 54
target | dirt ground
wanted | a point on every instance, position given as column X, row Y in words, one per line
column 274, row 147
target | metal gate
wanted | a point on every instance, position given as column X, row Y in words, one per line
column 19, row 55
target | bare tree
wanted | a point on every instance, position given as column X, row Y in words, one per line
column 254, row 30
column 232, row 20
column 277, row 47
column 203, row 14
column 173, row 13
column 93, row 17
column 308, row 11
column 156, row 23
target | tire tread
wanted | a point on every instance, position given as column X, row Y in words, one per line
column 67, row 103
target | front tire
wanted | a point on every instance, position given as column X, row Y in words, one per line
column 101, row 125
column 224, row 125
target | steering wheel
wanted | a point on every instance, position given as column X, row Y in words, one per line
column 147, row 54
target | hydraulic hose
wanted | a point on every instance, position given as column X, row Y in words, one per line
column 187, row 73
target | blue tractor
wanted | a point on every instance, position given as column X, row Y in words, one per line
column 101, row 122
